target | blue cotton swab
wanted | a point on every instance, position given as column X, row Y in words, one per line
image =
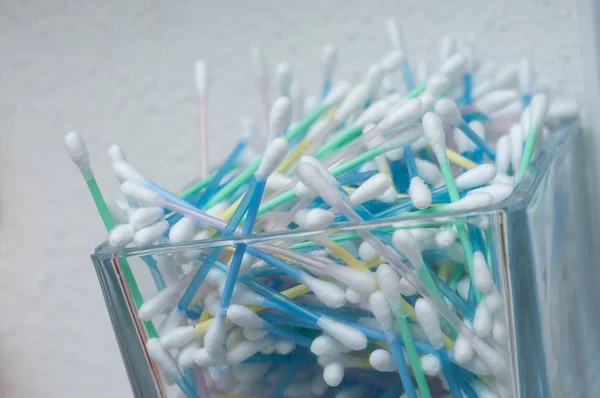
column 274, row 154
column 168, row 365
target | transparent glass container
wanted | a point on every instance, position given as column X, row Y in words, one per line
column 537, row 244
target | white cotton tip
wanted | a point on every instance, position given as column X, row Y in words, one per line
column 375, row 186
column 201, row 76
column 421, row 70
column 496, row 100
column 538, row 110
column 359, row 280
column 246, row 349
column 562, row 108
column 409, row 111
column 433, row 129
column 473, row 200
column 235, row 336
column 145, row 216
column 280, row 116
column 431, row 365
column 355, row 99
column 494, row 361
column 503, row 153
column 378, row 305
column 284, row 347
column 116, row 154
column 445, row 238
column 482, row 322
column 499, row 331
column 525, row 125
column 163, row 359
column 482, row 390
column 182, row 231
column 525, row 76
column 463, row 352
column 429, row 172
column 389, row 281
column 139, row 193
column 78, row 151
column 318, row 130
column 406, row 288
column 205, row 359
column 506, row 76
column 494, row 302
column 214, row 339
column 329, row 59
column 302, row 191
column 318, row 183
column 374, row 113
column 447, row 110
column 283, row 78
column 274, row 155
column 278, row 181
column 454, row 66
column 482, row 278
column 462, row 288
column 337, row 94
column 297, row 100
column 319, row 218
column 347, row 335
column 389, row 196
column 333, row 374
column 355, row 297
column 253, row 334
column 392, row 61
column 326, row 345
column 318, row 386
column 429, row 321
column 162, row 302
column 124, row 172
column 244, row 296
column 148, row 235
column 408, row 245
column 479, row 175
column 463, row 144
column 329, row 294
column 366, row 252
column 502, row 178
column 259, row 64
column 420, row 195
column 244, row 317
column 428, row 101
column 447, row 48
column 410, row 135
column 382, row 361
column 120, row 236
column 394, row 34
column 437, row 84
column 375, row 76
column 187, row 354
column 499, row 192
column 178, row 337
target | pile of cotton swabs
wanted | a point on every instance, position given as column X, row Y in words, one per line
column 360, row 312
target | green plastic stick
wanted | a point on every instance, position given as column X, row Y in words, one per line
column 110, row 224
column 527, row 152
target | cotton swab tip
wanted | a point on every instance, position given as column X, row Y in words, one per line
column 420, row 195
column 347, row 335
column 356, row 98
column 454, row 65
column 473, row 201
column 337, row 94
column 447, row 110
column 116, row 154
column 382, row 361
column 538, row 110
column 431, row 365
column 138, row 192
column 477, row 176
column 428, row 318
column 274, row 155
column 78, row 151
column 120, row 236
column 145, row 216
column 318, row 219
column 437, row 84
column 312, row 177
column 283, row 77
column 201, row 75
column 279, row 118
column 392, row 61
column 496, row 100
column 433, row 129
column 244, row 317
column 373, row 187
column 408, row 245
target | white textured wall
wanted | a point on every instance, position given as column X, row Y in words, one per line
column 120, row 71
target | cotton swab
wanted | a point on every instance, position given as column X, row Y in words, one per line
column 79, row 154
column 283, row 79
column 168, row 365
column 201, row 75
